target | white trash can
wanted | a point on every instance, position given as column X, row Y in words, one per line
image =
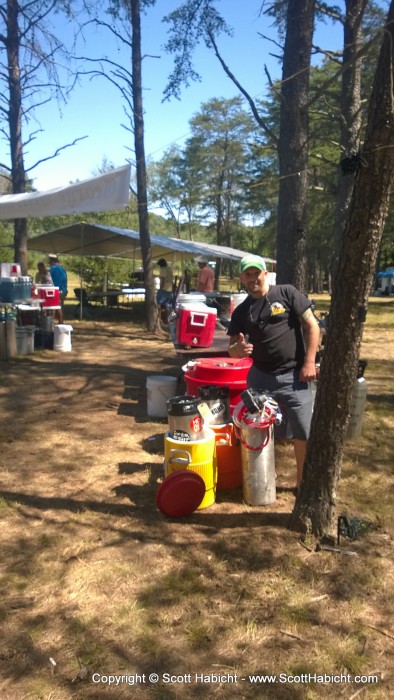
column 62, row 337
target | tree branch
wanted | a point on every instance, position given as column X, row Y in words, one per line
column 100, row 23
column 250, row 100
column 364, row 49
column 58, row 150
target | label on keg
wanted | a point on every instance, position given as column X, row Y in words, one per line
column 196, row 424
column 204, row 411
column 180, row 435
column 218, row 408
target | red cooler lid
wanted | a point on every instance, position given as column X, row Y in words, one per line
column 224, row 369
column 180, row 493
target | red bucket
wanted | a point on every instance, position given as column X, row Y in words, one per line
column 222, row 371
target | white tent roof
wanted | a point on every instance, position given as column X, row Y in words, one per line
column 109, row 241
column 106, row 192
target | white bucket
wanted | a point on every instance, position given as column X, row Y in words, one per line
column 236, row 300
column 21, row 341
column 30, row 330
column 62, row 337
column 159, row 389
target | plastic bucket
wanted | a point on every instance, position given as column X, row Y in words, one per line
column 24, row 340
column 236, row 300
column 21, row 341
column 62, row 337
column 198, row 456
column 30, row 331
column 184, row 421
column 228, row 455
column 159, row 388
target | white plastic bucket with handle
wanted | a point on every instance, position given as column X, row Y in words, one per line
column 159, row 388
column 62, row 337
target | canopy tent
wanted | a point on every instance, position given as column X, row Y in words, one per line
column 107, row 192
column 385, row 280
column 386, row 273
column 108, row 241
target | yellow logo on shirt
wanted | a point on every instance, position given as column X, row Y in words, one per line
column 277, row 308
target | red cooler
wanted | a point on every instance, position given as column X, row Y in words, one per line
column 222, row 371
column 49, row 295
column 195, row 325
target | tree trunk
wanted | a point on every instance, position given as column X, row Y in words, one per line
column 293, row 145
column 18, row 174
column 315, row 506
column 152, row 316
column 350, row 117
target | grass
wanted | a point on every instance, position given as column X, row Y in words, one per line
column 95, row 578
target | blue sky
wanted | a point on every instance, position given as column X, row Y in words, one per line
column 95, row 107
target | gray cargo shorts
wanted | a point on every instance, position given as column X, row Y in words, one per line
column 293, row 396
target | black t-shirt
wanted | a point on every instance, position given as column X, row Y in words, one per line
column 274, row 328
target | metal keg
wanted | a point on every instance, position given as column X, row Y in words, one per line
column 255, row 417
column 184, row 420
column 217, row 399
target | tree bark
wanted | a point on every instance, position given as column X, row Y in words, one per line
column 315, row 506
column 293, row 145
column 153, row 321
column 350, row 123
column 18, row 174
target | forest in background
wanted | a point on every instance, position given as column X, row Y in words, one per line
column 222, row 184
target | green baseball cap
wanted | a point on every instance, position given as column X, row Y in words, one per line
column 252, row 261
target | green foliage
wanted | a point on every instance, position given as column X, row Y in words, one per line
column 205, row 181
column 188, row 25
column 6, row 241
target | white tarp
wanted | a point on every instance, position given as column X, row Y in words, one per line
column 96, row 239
column 107, row 192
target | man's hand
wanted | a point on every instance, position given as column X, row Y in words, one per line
column 240, row 346
column 308, row 371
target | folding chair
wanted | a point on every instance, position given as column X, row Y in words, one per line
column 83, row 301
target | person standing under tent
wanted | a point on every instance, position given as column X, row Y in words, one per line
column 59, row 278
column 206, row 276
column 164, row 293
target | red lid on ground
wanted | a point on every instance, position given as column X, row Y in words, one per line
column 180, row 493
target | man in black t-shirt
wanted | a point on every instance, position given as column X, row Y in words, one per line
column 270, row 326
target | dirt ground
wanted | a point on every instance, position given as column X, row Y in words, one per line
column 95, row 580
